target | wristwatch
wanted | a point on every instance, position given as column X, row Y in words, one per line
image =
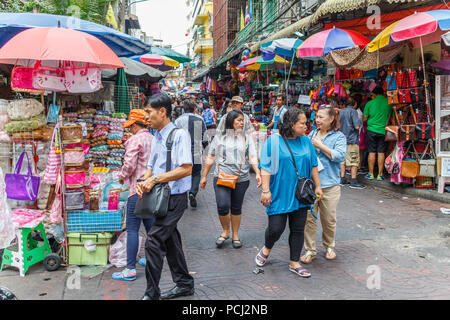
column 156, row 179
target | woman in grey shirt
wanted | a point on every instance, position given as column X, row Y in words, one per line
column 228, row 149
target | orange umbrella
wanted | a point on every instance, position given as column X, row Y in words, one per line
column 53, row 45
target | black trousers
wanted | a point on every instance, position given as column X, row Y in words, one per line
column 228, row 199
column 164, row 240
column 196, row 177
column 277, row 224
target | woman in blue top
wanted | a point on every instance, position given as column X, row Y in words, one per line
column 331, row 148
column 279, row 181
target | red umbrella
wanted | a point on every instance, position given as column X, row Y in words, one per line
column 52, row 45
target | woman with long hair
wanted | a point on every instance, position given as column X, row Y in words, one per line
column 235, row 152
column 331, row 149
column 279, row 181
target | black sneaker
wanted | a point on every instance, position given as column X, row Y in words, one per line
column 344, row 181
column 356, row 185
column 192, row 201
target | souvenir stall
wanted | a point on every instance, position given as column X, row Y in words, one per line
column 72, row 194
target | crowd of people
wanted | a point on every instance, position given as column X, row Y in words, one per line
column 204, row 137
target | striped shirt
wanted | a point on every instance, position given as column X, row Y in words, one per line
column 138, row 148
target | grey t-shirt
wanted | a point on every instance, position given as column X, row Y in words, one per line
column 349, row 120
column 228, row 150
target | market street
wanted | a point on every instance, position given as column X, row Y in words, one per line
column 403, row 241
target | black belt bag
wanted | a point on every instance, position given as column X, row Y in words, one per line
column 155, row 204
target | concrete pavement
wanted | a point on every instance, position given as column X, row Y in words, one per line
column 387, row 247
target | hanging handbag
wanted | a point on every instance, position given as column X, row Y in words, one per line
column 392, row 130
column 56, row 211
column 230, row 180
column 412, row 78
column 417, row 95
column 391, row 81
column 22, row 187
column 392, row 97
column 51, row 79
column 155, row 204
column 53, row 162
column 391, row 162
column 83, row 80
column 410, row 167
column 305, row 192
column 425, row 130
column 428, row 166
column 22, row 80
column 407, row 132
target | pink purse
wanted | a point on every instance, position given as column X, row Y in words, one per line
column 83, row 80
column 56, row 211
column 113, row 201
column 53, row 163
column 74, row 157
column 22, row 80
column 75, row 179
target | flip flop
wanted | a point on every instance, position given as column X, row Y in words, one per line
column 219, row 243
column 124, row 275
column 300, row 271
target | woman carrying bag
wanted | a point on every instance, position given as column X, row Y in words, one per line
column 234, row 152
column 281, row 177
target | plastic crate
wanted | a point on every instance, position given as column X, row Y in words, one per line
column 96, row 221
column 79, row 255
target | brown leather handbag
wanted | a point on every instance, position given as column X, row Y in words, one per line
column 410, row 167
column 407, row 132
column 230, row 180
column 392, row 130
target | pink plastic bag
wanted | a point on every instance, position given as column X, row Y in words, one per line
column 22, row 80
column 75, row 179
column 74, row 156
column 113, row 201
column 118, row 251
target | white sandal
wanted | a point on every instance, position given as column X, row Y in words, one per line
column 331, row 254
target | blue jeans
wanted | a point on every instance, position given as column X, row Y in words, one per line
column 133, row 225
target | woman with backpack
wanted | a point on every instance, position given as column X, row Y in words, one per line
column 209, row 116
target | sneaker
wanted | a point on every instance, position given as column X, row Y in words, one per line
column 369, row 176
column 380, row 178
column 192, row 201
column 142, row 262
column 344, row 181
column 356, row 185
column 126, row 275
column 361, row 172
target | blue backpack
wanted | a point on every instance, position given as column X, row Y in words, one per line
column 208, row 117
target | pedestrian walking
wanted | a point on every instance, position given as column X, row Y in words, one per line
column 164, row 239
column 331, row 148
column 195, row 126
column 377, row 113
column 137, row 154
column 209, row 116
column 235, row 152
column 279, row 111
column 279, row 181
column 237, row 103
column 350, row 123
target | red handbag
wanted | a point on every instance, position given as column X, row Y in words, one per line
column 404, row 96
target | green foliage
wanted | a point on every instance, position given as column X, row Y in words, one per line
column 91, row 10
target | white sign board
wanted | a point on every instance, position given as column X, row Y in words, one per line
column 445, row 167
column 303, row 99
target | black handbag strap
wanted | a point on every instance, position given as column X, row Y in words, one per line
column 169, row 144
column 292, row 155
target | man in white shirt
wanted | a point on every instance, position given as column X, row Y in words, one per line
column 279, row 112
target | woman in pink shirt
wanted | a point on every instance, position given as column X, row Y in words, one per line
column 134, row 166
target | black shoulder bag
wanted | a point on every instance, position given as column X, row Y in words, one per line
column 306, row 189
column 155, row 204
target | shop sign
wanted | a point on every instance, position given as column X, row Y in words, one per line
column 304, row 99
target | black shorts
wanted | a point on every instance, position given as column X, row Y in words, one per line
column 376, row 143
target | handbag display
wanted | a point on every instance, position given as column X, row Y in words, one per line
column 410, row 167
column 83, row 80
column 392, row 130
column 407, row 132
column 155, row 204
column 425, row 131
column 75, row 178
column 53, row 162
column 391, row 162
column 51, row 79
column 22, row 187
column 230, row 180
column 305, row 192
column 404, row 96
column 392, row 97
column 428, row 166
column 22, row 80
column 391, row 82
column 417, row 95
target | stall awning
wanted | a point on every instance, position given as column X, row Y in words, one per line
column 172, row 84
column 201, row 73
column 329, row 6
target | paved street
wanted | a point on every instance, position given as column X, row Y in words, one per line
column 406, row 240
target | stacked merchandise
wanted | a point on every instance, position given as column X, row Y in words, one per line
column 26, row 115
column 99, row 146
column 116, row 138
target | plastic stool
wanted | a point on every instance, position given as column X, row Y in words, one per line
column 28, row 252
